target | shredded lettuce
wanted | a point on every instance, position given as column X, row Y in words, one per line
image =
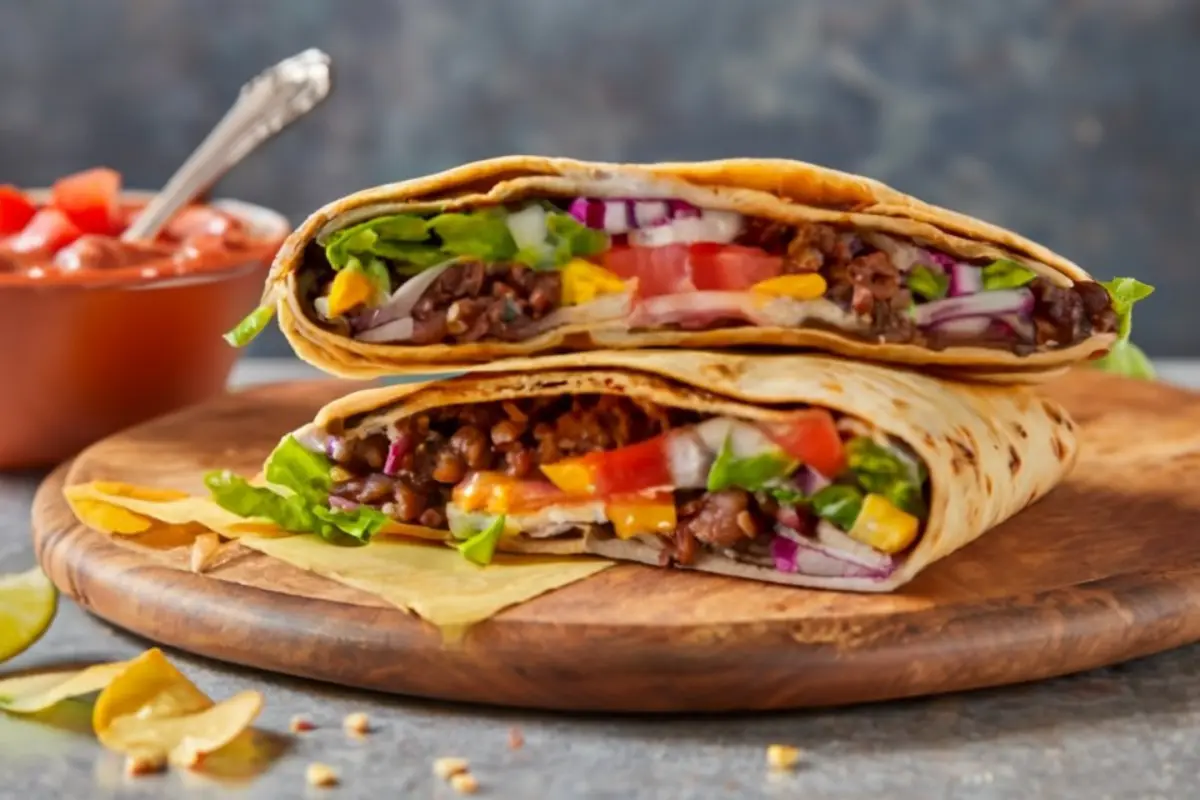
column 928, row 284
column 881, row 471
column 480, row 547
column 411, row 243
column 1004, row 273
column 787, row 495
column 838, row 503
column 251, row 326
column 299, row 503
column 753, row 474
column 1125, row 357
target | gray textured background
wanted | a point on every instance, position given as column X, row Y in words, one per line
column 1073, row 121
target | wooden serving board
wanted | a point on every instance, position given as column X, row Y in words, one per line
column 1105, row 569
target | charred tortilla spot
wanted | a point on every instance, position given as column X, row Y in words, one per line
column 832, row 386
column 928, row 440
column 1060, row 450
column 720, row 372
column 1014, row 460
column 901, row 405
column 963, row 456
column 1020, row 429
column 1053, row 411
column 988, row 486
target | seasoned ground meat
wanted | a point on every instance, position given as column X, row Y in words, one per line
column 720, row 519
column 473, row 301
column 440, row 447
column 1062, row 316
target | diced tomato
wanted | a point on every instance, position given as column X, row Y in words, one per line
column 49, row 230
column 634, row 468
column 731, row 267
column 15, row 209
column 811, row 437
column 705, row 266
column 201, row 221
column 658, row 270
column 92, row 199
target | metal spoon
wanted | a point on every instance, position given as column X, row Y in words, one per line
column 266, row 105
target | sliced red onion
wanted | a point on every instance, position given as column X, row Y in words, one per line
column 942, row 260
column 965, row 279
column 852, row 550
column 810, row 481
column 985, row 304
column 711, row 226
column 402, row 301
column 681, row 209
column 746, row 440
column 398, row 330
column 341, row 503
column 651, row 212
column 793, row 553
column 963, row 326
column 397, row 450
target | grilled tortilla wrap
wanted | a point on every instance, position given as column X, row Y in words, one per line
column 524, row 255
column 804, row 470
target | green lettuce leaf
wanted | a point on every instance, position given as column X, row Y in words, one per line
column 753, row 474
column 927, row 283
column 1126, row 358
column 479, row 234
column 361, row 240
column 787, row 495
column 570, row 238
column 251, row 326
column 880, row 470
column 838, row 503
column 304, row 508
column 480, row 548
column 1006, row 274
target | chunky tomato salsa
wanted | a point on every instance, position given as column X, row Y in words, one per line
column 77, row 229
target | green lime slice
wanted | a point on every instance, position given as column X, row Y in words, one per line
column 28, row 601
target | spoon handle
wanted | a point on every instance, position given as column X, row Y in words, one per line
column 266, row 104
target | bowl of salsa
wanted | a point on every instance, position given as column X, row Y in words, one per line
column 101, row 334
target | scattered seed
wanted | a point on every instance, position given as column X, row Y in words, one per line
column 782, row 756
column 464, row 783
column 356, row 724
column 515, row 739
column 320, row 775
column 446, row 768
column 203, row 549
column 301, row 723
column 144, row 764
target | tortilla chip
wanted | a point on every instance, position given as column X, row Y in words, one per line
column 125, row 509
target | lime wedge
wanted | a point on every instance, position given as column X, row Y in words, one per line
column 28, row 601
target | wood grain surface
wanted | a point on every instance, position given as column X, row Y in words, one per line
column 1105, row 569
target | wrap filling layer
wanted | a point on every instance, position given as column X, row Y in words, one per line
column 513, row 272
column 812, row 492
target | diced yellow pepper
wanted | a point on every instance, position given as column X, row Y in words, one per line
column 808, row 286
column 632, row 518
column 574, row 476
column 582, row 281
column 883, row 526
column 350, row 288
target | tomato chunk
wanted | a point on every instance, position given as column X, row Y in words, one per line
column 812, row 438
column 626, row 470
column 92, row 199
column 15, row 209
column 48, row 231
column 731, row 267
column 658, row 270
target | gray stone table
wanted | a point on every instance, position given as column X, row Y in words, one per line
column 1126, row 732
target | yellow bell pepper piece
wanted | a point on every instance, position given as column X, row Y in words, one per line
column 582, row 281
column 350, row 288
column 883, row 526
column 485, row 491
column 633, row 518
column 808, row 286
column 574, row 476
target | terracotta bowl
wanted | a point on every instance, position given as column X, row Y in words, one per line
column 86, row 355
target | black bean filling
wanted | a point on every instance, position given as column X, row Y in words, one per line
column 442, row 446
column 473, row 302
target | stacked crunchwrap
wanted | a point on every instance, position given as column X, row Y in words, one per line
column 585, row 318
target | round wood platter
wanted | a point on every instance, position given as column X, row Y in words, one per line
column 1104, row 569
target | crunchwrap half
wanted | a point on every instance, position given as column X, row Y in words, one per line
column 525, row 255
column 804, row 470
